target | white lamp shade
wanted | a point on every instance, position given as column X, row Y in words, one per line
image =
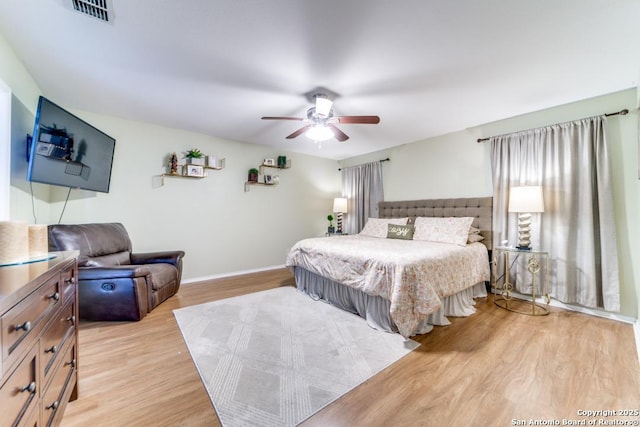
column 526, row 199
column 340, row 204
column 323, row 106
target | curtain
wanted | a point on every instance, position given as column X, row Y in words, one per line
column 362, row 186
column 577, row 229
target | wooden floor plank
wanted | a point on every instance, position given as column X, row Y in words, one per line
column 485, row 370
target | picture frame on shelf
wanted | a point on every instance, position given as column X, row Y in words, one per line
column 268, row 179
column 194, row 170
column 269, row 162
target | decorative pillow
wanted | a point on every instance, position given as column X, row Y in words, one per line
column 443, row 230
column 475, row 238
column 474, row 230
column 400, row 231
column 377, row 227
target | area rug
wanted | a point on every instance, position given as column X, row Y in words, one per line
column 276, row 357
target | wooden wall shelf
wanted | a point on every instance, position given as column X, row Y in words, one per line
column 261, row 169
column 221, row 165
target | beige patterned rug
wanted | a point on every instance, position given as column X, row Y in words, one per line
column 276, row 357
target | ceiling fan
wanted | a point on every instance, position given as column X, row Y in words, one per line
column 320, row 121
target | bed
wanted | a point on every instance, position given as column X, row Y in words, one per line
column 398, row 284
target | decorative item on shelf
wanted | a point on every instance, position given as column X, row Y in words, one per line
column 339, row 207
column 253, row 175
column 525, row 200
column 194, row 170
column 268, row 179
column 173, row 164
column 194, row 157
column 269, row 162
column 213, row 162
column 331, row 228
column 282, row 162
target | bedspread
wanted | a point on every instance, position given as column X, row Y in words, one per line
column 412, row 275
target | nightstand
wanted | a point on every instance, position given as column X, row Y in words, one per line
column 535, row 262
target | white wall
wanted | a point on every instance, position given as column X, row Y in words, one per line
column 455, row 165
column 5, row 149
column 23, row 101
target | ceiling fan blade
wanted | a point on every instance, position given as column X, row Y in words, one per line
column 283, row 118
column 299, row 132
column 340, row 136
column 358, row 119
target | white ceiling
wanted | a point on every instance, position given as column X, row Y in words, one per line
column 425, row 67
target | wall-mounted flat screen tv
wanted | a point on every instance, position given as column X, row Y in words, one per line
column 67, row 151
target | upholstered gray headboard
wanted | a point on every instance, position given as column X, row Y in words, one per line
column 480, row 208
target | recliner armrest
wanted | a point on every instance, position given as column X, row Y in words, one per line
column 112, row 272
column 165, row 257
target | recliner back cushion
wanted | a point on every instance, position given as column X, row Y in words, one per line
column 119, row 258
column 103, row 244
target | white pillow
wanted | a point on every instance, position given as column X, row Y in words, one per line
column 443, row 230
column 378, row 227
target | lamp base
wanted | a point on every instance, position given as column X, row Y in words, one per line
column 524, row 231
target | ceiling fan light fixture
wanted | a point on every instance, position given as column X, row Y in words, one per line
column 323, row 106
column 319, row 133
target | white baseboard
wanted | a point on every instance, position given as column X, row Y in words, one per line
column 231, row 274
column 591, row 311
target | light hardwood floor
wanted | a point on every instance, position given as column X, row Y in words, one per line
column 491, row 369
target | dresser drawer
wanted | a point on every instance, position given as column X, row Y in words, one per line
column 53, row 338
column 56, row 394
column 68, row 285
column 32, row 418
column 19, row 393
column 21, row 324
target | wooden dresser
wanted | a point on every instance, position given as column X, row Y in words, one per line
column 39, row 340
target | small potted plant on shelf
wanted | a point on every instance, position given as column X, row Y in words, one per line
column 331, row 228
column 194, row 157
column 253, row 175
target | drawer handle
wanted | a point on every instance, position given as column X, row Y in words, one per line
column 55, row 296
column 53, row 349
column 31, row 388
column 72, row 363
column 71, row 319
column 53, row 406
column 26, row 326
column 70, row 281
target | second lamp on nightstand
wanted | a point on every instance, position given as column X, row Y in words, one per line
column 339, row 208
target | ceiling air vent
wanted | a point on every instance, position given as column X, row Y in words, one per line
column 96, row 8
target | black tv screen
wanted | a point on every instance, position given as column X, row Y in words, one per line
column 67, row 151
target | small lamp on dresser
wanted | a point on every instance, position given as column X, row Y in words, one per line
column 525, row 200
column 339, row 207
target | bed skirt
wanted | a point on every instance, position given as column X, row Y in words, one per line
column 376, row 310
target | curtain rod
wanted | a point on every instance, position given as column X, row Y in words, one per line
column 383, row 160
column 621, row 112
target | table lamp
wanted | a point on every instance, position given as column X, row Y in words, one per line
column 339, row 207
column 525, row 200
